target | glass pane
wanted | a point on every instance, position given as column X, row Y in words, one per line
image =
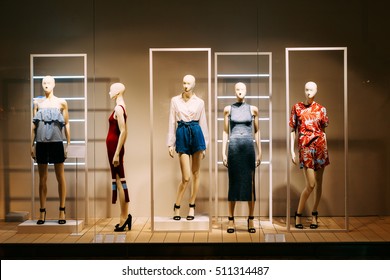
column 167, row 72
column 325, row 67
column 254, row 70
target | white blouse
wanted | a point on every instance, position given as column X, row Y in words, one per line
column 190, row 110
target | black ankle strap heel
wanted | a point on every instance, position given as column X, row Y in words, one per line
column 300, row 226
column 41, row 222
column 312, row 225
column 190, row 217
column 252, row 228
column 231, row 229
column 62, row 221
column 176, row 217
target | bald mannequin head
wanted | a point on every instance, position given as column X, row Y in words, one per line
column 48, row 84
column 310, row 90
column 115, row 89
column 240, row 89
column 188, row 83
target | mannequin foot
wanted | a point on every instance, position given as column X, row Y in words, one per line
column 176, row 209
column 314, row 222
column 231, row 228
column 61, row 219
column 298, row 223
column 42, row 216
column 191, row 213
column 251, row 227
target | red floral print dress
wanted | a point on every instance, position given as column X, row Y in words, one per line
column 310, row 122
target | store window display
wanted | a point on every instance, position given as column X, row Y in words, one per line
column 240, row 154
column 187, row 136
column 50, row 118
column 116, row 138
column 308, row 121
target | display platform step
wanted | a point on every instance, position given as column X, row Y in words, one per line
column 51, row 226
column 200, row 223
column 17, row 216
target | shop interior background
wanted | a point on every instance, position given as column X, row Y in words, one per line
column 117, row 35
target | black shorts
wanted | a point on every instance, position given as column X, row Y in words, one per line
column 49, row 152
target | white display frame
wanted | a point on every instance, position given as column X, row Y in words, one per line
column 345, row 107
column 76, row 149
column 187, row 224
column 269, row 140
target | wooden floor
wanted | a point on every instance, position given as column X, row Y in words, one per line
column 362, row 230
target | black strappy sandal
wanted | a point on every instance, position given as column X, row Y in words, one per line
column 62, row 221
column 251, row 229
column 314, row 214
column 190, row 218
column 41, row 222
column 300, row 226
column 231, row 229
column 176, row 217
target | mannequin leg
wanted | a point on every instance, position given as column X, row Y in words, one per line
column 185, row 176
column 318, row 176
column 310, row 184
column 251, row 204
column 232, row 206
column 124, row 206
column 196, row 159
column 184, row 160
column 251, row 208
column 42, row 170
column 231, row 227
column 60, row 175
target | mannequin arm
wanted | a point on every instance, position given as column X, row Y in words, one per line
column 171, row 151
column 292, row 145
column 32, row 146
column 255, row 112
column 225, row 134
column 33, row 131
column 122, row 136
column 171, row 139
column 65, row 113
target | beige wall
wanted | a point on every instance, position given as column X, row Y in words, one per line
column 117, row 35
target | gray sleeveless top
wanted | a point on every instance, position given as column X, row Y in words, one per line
column 49, row 123
column 240, row 120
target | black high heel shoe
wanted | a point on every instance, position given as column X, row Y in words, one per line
column 176, row 217
column 315, row 214
column 41, row 222
column 190, row 218
column 300, row 226
column 62, row 221
column 251, row 229
column 231, row 229
column 126, row 223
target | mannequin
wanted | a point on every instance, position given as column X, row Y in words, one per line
column 115, row 141
column 309, row 119
column 188, row 136
column 241, row 159
column 50, row 115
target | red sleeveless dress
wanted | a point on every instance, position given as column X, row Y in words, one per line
column 111, row 143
